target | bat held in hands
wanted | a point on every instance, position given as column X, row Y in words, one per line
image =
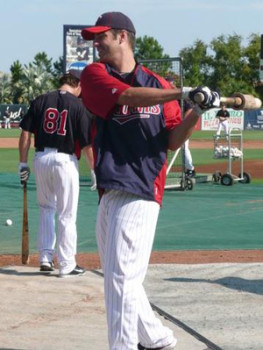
column 25, row 235
column 236, row 101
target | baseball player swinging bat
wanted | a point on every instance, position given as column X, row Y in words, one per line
column 25, row 237
column 236, row 101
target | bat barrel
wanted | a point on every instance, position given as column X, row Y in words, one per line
column 242, row 101
column 236, row 101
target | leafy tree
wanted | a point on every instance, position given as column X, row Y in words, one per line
column 42, row 61
column 37, row 80
column 17, row 86
column 227, row 64
column 251, row 68
column 224, row 64
column 57, row 71
column 5, row 89
column 38, row 77
column 195, row 64
column 148, row 48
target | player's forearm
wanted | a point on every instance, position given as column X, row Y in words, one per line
column 24, row 145
column 143, row 96
column 88, row 153
column 183, row 131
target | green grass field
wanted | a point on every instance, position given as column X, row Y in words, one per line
column 5, row 133
column 10, row 157
column 248, row 135
column 256, row 135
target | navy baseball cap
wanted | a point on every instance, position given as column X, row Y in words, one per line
column 107, row 21
column 75, row 72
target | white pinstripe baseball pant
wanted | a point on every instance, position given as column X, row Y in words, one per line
column 57, row 180
column 188, row 156
column 125, row 232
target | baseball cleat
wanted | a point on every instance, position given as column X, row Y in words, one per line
column 190, row 173
column 47, row 267
column 77, row 271
column 166, row 347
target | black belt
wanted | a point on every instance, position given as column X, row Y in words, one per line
column 42, row 149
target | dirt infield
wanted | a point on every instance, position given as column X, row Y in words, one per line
column 12, row 142
column 91, row 260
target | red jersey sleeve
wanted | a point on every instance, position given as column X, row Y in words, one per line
column 172, row 114
column 100, row 91
column 172, row 110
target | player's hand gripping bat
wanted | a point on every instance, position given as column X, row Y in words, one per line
column 25, row 237
column 236, row 101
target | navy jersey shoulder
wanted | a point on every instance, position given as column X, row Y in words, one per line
column 58, row 119
column 223, row 113
column 131, row 145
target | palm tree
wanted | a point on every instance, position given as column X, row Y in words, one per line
column 17, row 87
column 37, row 80
column 5, row 89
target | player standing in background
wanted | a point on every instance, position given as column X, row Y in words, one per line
column 60, row 125
column 137, row 119
column 223, row 117
column 7, row 118
column 189, row 166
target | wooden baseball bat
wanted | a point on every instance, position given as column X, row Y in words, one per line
column 25, row 236
column 236, row 101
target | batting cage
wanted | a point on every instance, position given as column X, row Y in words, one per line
column 171, row 69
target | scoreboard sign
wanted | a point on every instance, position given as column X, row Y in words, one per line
column 77, row 52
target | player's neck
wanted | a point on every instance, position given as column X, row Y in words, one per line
column 69, row 89
column 125, row 63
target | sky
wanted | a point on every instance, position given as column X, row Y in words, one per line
column 28, row 27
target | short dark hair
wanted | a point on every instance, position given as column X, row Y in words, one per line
column 69, row 79
column 131, row 37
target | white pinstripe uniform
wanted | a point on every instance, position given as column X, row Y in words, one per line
column 125, row 233
column 223, row 124
column 57, row 193
column 59, row 121
column 188, row 156
column 130, row 166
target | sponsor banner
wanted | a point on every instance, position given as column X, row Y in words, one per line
column 254, row 120
column 210, row 122
column 77, row 52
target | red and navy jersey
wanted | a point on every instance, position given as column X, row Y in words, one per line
column 130, row 143
column 58, row 120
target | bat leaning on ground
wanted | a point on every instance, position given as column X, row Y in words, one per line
column 236, row 101
column 25, row 237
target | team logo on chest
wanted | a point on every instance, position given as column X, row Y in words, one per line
column 125, row 114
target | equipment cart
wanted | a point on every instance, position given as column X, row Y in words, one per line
column 230, row 147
